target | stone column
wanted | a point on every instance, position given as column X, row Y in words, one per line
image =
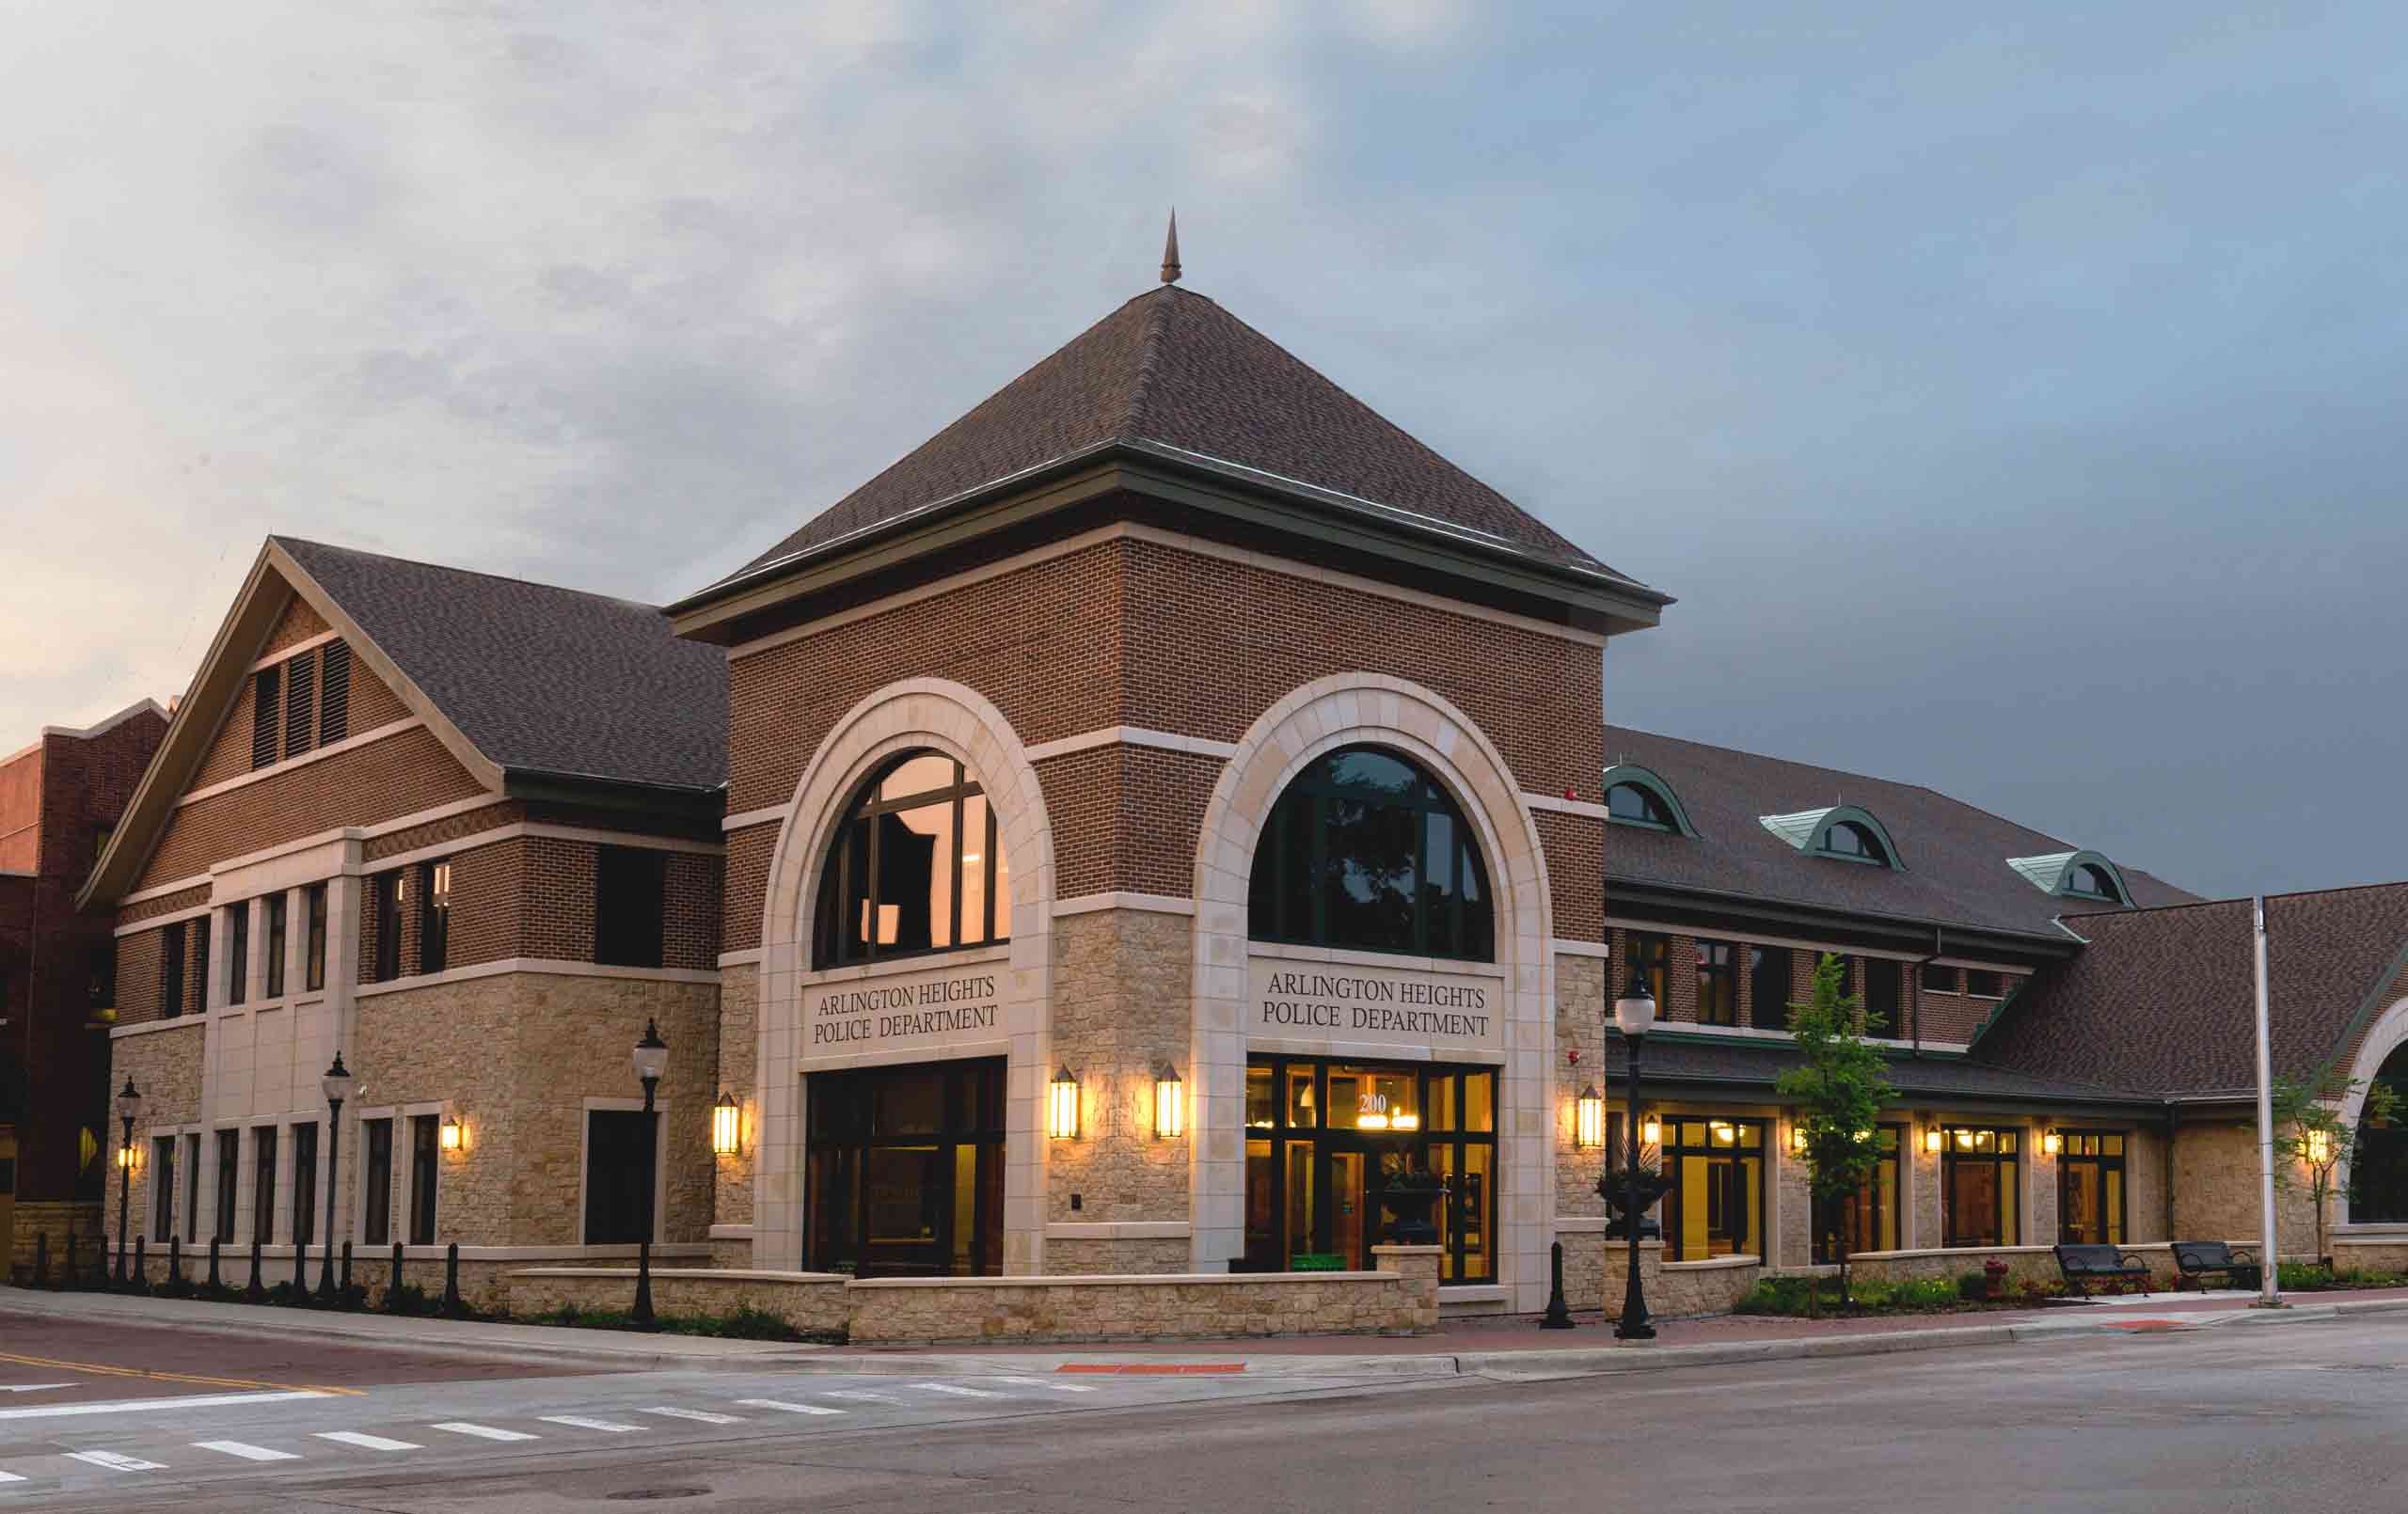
column 1651, row 1276
column 1419, row 1266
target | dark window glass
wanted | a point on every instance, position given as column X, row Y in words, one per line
column 264, row 1184
column 1848, row 839
column 1717, row 985
column 2093, row 882
column 2091, row 1193
column 171, row 970
column 100, row 978
column 1984, row 984
column 229, row 1174
column 305, row 1184
column 1769, row 992
column 275, row 904
column 918, row 866
column 1635, row 805
column 385, row 891
column 629, row 905
column 196, row 984
column 300, row 680
column 238, row 953
column 1716, row 1204
column 192, row 1189
column 617, row 1143
column 435, row 925
column 334, row 694
column 1980, row 1199
column 1938, row 979
column 1363, row 850
column 904, row 1171
column 266, row 687
column 315, row 968
column 1649, row 957
column 163, row 1188
column 1868, row 1218
column 425, row 1163
column 376, row 1216
column 1884, row 984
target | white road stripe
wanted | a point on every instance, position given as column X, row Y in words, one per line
column 862, row 1397
column 32, row 1387
column 11, row 1476
column 461, row 1427
column 368, row 1442
column 959, row 1391
column 114, row 1462
column 1050, row 1387
column 581, row 1422
column 248, row 1452
column 703, row 1416
column 783, row 1407
column 130, row 1406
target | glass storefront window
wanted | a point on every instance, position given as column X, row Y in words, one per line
column 905, row 1171
column 1866, row 1219
column 1980, row 1194
column 2090, row 1188
column 1716, row 1204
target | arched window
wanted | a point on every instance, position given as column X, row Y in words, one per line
column 1635, row 806
column 1364, row 850
column 1848, row 839
column 2379, row 1166
column 916, row 867
column 2091, row 881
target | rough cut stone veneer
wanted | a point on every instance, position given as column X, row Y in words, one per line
column 1677, row 1290
column 813, row 1302
column 165, row 1066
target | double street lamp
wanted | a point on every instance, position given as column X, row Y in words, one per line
column 129, row 1109
column 651, row 1061
column 1634, row 1016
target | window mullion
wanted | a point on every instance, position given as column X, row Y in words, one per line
column 869, row 884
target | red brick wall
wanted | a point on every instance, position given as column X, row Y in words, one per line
column 137, row 977
column 749, row 852
column 452, row 827
column 1573, row 846
column 532, row 896
column 299, row 623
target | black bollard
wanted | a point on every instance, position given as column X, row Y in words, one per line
column 1558, row 1314
column 300, row 1276
column 41, row 1256
column 256, row 1291
column 175, row 1258
column 141, row 1282
column 68, row 1279
column 346, row 1294
column 393, row 1288
column 451, row 1308
column 213, row 1284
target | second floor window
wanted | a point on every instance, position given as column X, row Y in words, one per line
column 387, row 891
column 314, row 959
column 435, row 923
column 917, row 865
column 630, row 905
column 1718, row 986
column 1768, row 990
column 171, row 970
column 274, row 903
column 1883, row 993
column 238, row 951
column 1649, row 955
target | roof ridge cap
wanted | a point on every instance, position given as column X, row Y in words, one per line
column 1132, row 418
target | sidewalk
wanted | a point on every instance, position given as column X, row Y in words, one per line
column 1495, row 1347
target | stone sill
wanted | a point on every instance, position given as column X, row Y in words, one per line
column 373, row 1256
column 706, row 1274
column 1473, row 1293
column 1127, row 1280
column 168, row 1022
column 1714, row 1264
column 1342, row 957
column 1967, row 1253
column 918, row 962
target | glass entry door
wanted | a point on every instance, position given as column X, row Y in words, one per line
column 904, row 1171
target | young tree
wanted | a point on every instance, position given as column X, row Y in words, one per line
column 1835, row 1099
column 2312, row 1134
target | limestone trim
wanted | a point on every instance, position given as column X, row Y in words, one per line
column 179, row 1023
column 1596, row 949
column 1131, row 735
column 556, row 967
column 393, row 727
column 951, row 717
column 1366, row 708
column 1572, row 807
column 154, row 921
column 1690, row 1031
column 198, row 880
column 720, row 1232
column 288, row 653
column 738, row 959
column 1160, row 903
column 747, row 819
column 2388, row 1032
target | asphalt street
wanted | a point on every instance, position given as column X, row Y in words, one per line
column 2304, row 1417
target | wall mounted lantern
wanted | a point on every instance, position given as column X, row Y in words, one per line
column 1589, row 1119
column 1170, row 1106
column 2050, row 1142
column 726, row 1126
column 2320, row 1147
column 1061, row 1106
column 1932, row 1140
column 1798, row 1139
column 1651, row 1130
column 451, row 1136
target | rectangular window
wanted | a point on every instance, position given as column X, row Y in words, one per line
column 171, row 970
column 377, row 1217
column 334, row 693
column 1938, row 979
column 1868, row 1218
column 1768, row 988
column 385, row 891
column 629, row 905
column 1980, row 1197
column 1884, row 986
column 1715, row 1205
column 1649, row 957
column 100, row 978
column 314, row 966
column 264, row 1184
column 238, row 953
column 305, row 1184
column 2090, row 1187
column 266, row 686
column 229, row 1174
column 275, row 906
column 423, row 1167
column 163, row 1188
column 1718, row 983
column 196, row 984
column 1984, row 984
column 300, row 682
column 434, row 920
column 616, row 1143
column 192, row 1188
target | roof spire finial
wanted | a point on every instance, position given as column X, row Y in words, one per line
column 1170, row 250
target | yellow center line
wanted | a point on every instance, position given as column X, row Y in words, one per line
column 105, row 1370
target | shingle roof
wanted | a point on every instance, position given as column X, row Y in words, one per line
column 1172, row 370
column 1680, row 1060
column 541, row 679
column 1954, row 857
column 2165, row 1000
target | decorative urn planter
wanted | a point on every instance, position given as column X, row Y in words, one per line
column 1411, row 1197
column 1614, row 1188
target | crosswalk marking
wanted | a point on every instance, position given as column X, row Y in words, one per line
column 786, row 1407
column 368, row 1442
column 957, row 1391
column 461, row 1427
column 862, row 1398
column 114, row 1462
column 700, row 1415
column 9, row 1476
column 135, row 1406
column 243, row 1449
column 1050, row 1387
column 581, row 1422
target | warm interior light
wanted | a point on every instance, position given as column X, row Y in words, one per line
column 1931, row 1140
column 1370, row 1122
column 1589, row 1119
column 1651, row 1130
column 1722, row 1131
column 2319, row 1147
column 1964, row 1140
column 2052, row 1142
column 1798, row 1139
column 1061, row 1106
column 1404, row 1122
column 451, row 1133
column 1170, row 1103
column 726, row 1126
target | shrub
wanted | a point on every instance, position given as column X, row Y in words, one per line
column 2303, row 1277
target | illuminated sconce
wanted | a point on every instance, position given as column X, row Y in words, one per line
column 726, row 1126
column 1932, row 1140
column 1798, row 1139
column 1170, row 1103
column 1061, row 1106
column 2320, row 1147
column 1651, row 1130
column 1407, row 1121
column 1589, row 1119
column 2052, row 1142
column 451, row 1133
column 125, row 1158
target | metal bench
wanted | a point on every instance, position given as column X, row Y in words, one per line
column 2195, row 1260
column 2082, row 1264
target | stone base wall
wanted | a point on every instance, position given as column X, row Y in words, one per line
column 813, row 1302
column 164, row 1066
column 736, row 1256
column 2025, row 1264
column 1081, row 1255
column 1584, row 1269
column 2351, row 1253
column 1674, row 1290
column 2216, row 1188
column 79, row 1218
column 485, row 1281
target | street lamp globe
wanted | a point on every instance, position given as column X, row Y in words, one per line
column 337, row 1082
column 129, row 1103
column 651, row 1055
column 1634, row 1011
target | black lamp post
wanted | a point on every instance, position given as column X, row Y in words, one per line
column 129, row 1109
column 336, row 1085
column 651, row 1059
column 1634, row 1016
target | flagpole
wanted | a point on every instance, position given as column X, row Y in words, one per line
column 2269, row 1287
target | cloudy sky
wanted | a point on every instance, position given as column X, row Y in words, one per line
column 2014, row 407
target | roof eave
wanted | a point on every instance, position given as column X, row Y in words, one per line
column 1960, row 935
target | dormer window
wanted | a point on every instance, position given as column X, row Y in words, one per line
column 1635, row 806
column 2091, row 881
column 1849, row 840
column 1636, row 797
column 2083, row 875
column 1843, row 832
